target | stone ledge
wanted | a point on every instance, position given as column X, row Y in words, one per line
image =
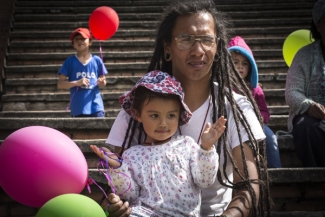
column 111, row 80
column 284, row 175
column 58, row 123
column 297, row 175
column 106, row 95
column 298, row 214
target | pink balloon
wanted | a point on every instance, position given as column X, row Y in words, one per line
column 38, row 163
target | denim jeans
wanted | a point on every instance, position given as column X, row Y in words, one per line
column 272, row 149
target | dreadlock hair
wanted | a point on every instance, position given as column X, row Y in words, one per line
column 225, row 74
column 143, row 95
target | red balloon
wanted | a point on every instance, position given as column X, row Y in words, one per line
column 103, row 23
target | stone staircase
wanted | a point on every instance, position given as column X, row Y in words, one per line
column 39, row 43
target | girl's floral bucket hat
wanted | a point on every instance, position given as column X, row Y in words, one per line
column 160, row 82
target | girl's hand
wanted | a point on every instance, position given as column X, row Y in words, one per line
column 101, row 81
column 112, row 159
column 212, row 134
column 84, row 82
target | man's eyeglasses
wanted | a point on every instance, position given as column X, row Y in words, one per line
column 186, row 42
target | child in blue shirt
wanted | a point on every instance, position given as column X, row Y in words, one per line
column 83, row 73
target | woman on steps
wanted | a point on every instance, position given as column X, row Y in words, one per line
column 305, row 94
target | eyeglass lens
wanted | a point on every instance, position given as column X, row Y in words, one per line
column 185, row 41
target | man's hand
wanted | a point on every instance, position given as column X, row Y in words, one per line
column 115, row 206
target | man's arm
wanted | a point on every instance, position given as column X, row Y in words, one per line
column 241, row 203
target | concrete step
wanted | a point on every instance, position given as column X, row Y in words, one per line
column 112, row 80
column 19, row 46
column 298, row 214
column 48, row 9
column 27, row 46
column 34, row 25
column 273, row 96
column 48, row 71
column 245, row 32
column 272, row 14
column 30, row 3
column 112, row 56
column 49, row 85
column 274, row 110
column 121, row 69
column 286, row 147
column 115, row 55
column 60, row 57
column 82, row 127
column 88, row 8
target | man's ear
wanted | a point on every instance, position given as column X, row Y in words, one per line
column 166, row 47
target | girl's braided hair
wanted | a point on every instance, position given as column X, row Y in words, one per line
column 228, row 79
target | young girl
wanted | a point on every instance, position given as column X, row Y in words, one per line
column 164, row 175
column 245, row 64
column 83, row 73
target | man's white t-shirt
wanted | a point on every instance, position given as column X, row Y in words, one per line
column 216, row 198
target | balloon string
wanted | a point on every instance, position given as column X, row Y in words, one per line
column 91, row 181
column 105, row 165
column 101, row 56
column 120, row 160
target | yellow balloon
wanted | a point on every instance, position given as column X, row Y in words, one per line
column 294, row 42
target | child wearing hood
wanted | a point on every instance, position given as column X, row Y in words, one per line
column 245, row 64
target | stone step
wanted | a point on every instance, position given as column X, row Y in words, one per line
column 27, row 46
column 48, row 8
column 245, row 32
column 14, row 59
column 145, row 24
column 121, row 69
column 297, row 14
column 274, row 110
column 29, row 3
column 81, row 127
column 22, row 46
column 48, row 71
column 272, row 96
column 286, row 147
column 114, row 83
column 298, row 214
column 85, row 9
column 60, row 57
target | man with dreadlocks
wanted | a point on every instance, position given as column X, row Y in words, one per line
column 191, row 45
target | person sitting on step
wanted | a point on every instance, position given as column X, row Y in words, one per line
column 305, row 94
column 244, row 61
column 164, row 174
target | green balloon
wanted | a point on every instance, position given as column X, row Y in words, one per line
column 71, row 205
column 293, row 43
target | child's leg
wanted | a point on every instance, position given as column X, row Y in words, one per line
column 272, row 149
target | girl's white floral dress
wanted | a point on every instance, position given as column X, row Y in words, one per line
column 166, row 179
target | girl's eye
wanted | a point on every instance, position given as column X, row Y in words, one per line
column 172, row 115
column 154, row 115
